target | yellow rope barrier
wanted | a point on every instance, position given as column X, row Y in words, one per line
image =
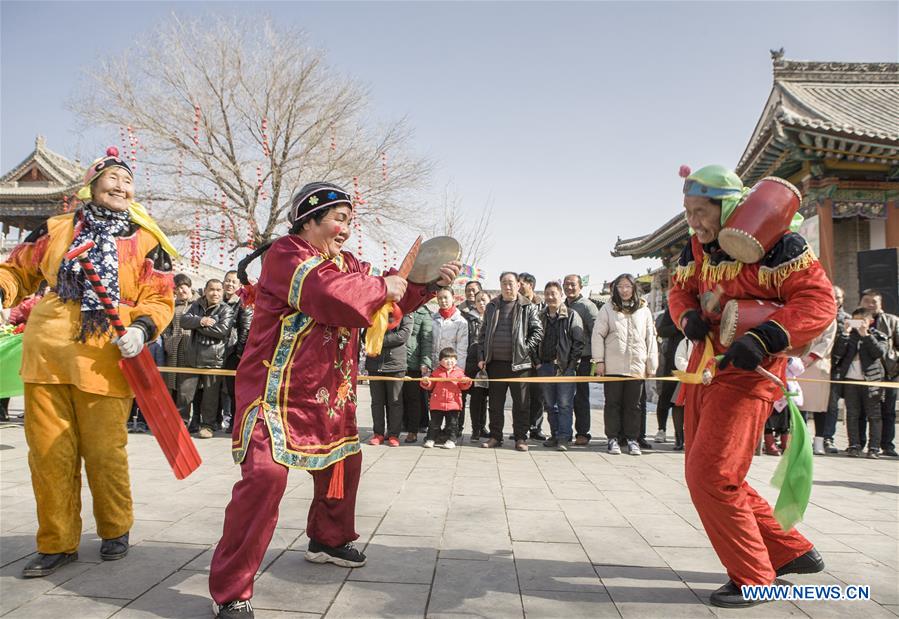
column 531, row 379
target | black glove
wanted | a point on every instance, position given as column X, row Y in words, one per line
column 696, row 328
column 745, row 353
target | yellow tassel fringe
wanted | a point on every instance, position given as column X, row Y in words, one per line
column 683, row 273
column 781, row 272
column 723, row 271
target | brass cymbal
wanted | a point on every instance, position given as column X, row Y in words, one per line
column 432, row 255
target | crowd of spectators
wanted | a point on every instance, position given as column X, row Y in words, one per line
column 520, row 333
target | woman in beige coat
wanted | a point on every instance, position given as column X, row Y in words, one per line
column 624, row 344
column 817, row 395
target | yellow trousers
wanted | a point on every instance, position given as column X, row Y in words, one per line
column 63, row 425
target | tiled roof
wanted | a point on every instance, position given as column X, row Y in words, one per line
column 56, row 167
column 846, row 110
column 840, row 110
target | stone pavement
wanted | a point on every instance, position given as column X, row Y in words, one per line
column 464, row 532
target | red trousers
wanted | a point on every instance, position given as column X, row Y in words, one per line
column 252, row 515
column 722, row 427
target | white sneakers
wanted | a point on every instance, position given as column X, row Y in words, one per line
column 818, row 446
column 614, row 449
column 633, row 448
column 661, row 437
column 446, row 445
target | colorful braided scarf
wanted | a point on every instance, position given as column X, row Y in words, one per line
column 101, row 226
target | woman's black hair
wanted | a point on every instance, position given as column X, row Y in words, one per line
column 617, row 301
column 317, row 217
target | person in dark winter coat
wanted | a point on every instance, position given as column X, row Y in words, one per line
column 210, row 320
column 858, row 351
column 559, row 353
column 385, row 394
column 237, row 340
column 507, row 344
column 588, row 312
column 477, row 395
column 670, row 337
column 418, row 364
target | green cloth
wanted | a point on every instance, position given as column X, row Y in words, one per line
column 794, row 472
column 10, row 364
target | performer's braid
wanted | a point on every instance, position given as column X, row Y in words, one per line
column 245, row 262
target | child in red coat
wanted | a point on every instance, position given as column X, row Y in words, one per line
column 446, row 398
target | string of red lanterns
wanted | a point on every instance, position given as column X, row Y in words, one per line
column 222, row 241
column 197, row 124
column 265, row 148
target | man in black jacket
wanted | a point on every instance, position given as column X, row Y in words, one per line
column 587, row 310
column 507, row 344
column 237, row 339
column 558, row 355
column 535, row 390
column 858, row 351
column 210, row 320
column 671, row 336
column 888, row 325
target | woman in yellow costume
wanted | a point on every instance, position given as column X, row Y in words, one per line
column 76, row 399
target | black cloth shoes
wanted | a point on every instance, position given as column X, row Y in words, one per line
column 44, row 565
column 114, row 549
column 731, row 596
column 809, row 563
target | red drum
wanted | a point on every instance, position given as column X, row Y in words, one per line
column 760, row 220
column 740, row 315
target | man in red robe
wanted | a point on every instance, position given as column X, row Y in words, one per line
column 296, row 392
column 724, row 420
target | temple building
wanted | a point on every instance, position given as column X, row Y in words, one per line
column 831, row 129
column 39, row 187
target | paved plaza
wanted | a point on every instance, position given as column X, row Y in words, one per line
column 464, row 532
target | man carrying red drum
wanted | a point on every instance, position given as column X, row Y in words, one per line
column 724, row 420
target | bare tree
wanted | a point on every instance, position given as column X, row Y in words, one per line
column 233, row 117
column 472, row 230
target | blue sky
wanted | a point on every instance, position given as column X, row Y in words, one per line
column 571, row 117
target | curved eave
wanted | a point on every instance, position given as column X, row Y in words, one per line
column 654, row 244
